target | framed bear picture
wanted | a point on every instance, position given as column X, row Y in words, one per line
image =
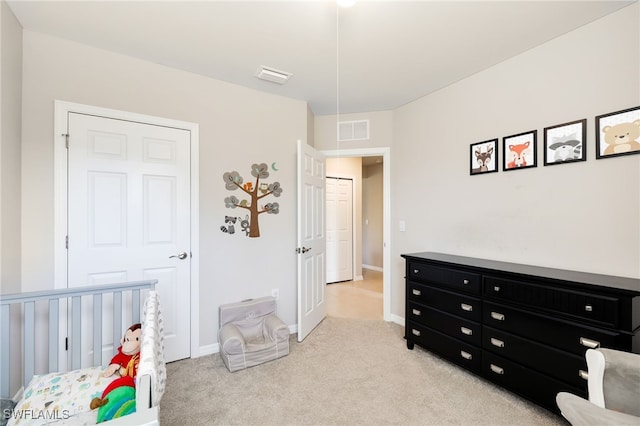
column 565, row 143
column 618, row 133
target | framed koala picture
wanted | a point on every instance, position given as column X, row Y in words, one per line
column 618, row 133
column 565, row 143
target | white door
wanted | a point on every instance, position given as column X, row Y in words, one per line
column 312, row 303
column 128, row 216
column 339, row 229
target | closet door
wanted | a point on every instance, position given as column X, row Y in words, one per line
column 339, row 229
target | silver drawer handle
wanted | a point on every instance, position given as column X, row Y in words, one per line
column 465, row 282
column 416, row 312
column 497, row 342
column 415, row 332
column 496, row 288
column 497, row 316
column 466, row 307
column 466, row 331
column 415, row 271
column 583, row 374
column 496, row 369
column 589, row 343
column 465, row 355
column 588, row 308
column 416, row 292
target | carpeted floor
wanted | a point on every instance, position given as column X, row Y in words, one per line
column 347, row 372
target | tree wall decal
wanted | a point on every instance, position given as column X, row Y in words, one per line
column 255, row 192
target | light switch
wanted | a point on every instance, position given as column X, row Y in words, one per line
column 402, row 226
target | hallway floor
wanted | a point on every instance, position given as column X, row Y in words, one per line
column 356, row 299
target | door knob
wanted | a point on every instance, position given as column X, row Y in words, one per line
column 180, row 256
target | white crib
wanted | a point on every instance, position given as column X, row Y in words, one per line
column 151, row 371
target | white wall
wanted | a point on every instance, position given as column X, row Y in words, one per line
column 238, row 127
column 10, row 183
column 380, row 131
column 372, row 215
column 582, row 216
column 10, row 118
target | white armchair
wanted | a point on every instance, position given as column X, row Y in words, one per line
column 251, row 333
column 614, row 391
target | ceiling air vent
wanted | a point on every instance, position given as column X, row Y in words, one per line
column 353, row 130
column 273, row 75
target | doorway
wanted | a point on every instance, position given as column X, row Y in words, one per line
column 380, row 274
column 114, row 170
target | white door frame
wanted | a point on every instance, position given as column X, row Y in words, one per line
column 61, row 111
column 385, row 152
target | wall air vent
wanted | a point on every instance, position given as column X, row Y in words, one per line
column 273, row 75
column 353, row 130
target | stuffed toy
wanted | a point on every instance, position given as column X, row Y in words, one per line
column 125, row 363
column 119, row 398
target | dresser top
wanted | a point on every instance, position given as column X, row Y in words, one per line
column 620, row 283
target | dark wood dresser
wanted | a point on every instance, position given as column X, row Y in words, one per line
column 523, row 327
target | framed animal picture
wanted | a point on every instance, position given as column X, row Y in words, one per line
column 519, row 151
column 618, row 133
column 565, row 143
column 484, row 157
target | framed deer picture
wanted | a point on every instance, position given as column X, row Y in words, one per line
column 483, row 157
column 519, row 151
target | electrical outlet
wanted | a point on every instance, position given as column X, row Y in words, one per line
column 276, row 293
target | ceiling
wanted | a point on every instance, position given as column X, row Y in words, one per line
column 374, row 56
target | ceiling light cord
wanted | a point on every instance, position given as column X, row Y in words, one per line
column 338, row 78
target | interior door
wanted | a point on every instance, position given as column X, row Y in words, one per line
column 312, row 304
column 129, row 217
column 339, row 229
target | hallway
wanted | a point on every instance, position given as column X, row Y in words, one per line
column 356, row 299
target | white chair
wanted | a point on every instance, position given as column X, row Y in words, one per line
column 251, row 333
column 614, row 391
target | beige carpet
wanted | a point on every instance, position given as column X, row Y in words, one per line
column 347, row 372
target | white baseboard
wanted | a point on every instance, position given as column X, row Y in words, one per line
column 373, row 268
column 397, row 319
column 358, row 278
column 213, row 348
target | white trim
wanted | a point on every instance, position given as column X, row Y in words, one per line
column 211, row 349
column 397, row 319
column 61, row 111
column 385, row 152
column 373, row 268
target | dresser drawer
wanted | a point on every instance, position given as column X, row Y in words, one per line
column 531, row 384
column 564, row 366
column 465, row 330
column 454, row 350
column 598, row 309
column 459, row 280
column 558, row 333
column 459, row 304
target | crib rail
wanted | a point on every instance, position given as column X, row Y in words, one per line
column 75, row 296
